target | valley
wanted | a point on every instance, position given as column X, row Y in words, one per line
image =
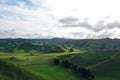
column 35, row 57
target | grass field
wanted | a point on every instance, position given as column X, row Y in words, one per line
column 105, row 65
column 39, row 65
column 51, row 72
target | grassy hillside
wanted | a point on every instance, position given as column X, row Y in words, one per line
column 58, row 45
column 52, row 72
column 11, row 46
column 110, row 68
column 105, row 65
column 9, row 71
column 40, row 66
column 101, row 56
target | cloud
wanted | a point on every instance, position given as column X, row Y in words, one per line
column 114, row 24
column 105, row 34
column 58, row 18
column 7, row 33
column 82, row 35
column 74, row 22
column 98, row 26
column 68, row 20
column 101, row 29
column 96, row 35
column 101, row 25
column 85, row 24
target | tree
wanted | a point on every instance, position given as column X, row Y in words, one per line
column 66, row 64
column 71, row 50
column 82, row 71
column 85, row 73
column 89, row 75
column 56, row 61
column 74, row 68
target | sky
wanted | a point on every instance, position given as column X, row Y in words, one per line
column 74, row 19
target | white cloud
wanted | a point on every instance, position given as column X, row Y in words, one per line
column 41, row 18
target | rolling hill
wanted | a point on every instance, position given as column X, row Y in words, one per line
column 105, row 65
column 102, row 56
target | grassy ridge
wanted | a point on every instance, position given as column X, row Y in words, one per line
column 9, row 71
column 105, row 65
column 39, row 65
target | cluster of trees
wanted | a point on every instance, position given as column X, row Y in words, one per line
column 6, row 50
column 83, row 72
column 10, row 71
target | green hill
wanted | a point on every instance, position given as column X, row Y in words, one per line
column 58, row 45
column 105, row 65
column 39, row 65
column 102, row 56
column 46, row 48
column 9, row 71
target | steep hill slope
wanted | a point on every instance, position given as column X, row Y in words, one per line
column 105, row 65
column 9, row 71
column 39, row 64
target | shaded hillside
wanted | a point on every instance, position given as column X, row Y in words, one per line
column 104, row 64
column 58, row 45
column 11, row 46
column 45, row 48
column 9, row 71
column 95, row 44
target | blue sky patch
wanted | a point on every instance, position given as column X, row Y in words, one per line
column 16, row 2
